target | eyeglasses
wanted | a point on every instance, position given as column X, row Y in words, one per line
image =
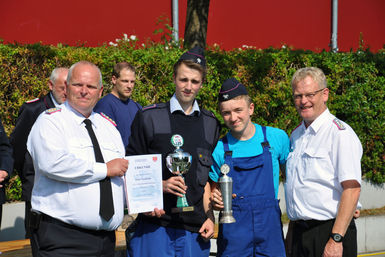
column 308, row 96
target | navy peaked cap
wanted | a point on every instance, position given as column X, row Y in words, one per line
column 196, row 55
column 231, row 88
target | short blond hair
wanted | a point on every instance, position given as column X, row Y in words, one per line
column 315, row 73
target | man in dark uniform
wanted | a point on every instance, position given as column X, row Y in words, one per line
column 184, row 233
column 28, row 114
column 6, row 165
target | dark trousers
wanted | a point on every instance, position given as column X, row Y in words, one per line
column 26, row 219
column 310, row 238
column 54, row 238
column 1, row 213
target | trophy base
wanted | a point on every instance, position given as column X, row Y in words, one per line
column 227, row 218
column 182, row 209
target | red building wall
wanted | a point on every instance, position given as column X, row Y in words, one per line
column 261, row 23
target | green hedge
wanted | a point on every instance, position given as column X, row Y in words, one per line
column 356, row 81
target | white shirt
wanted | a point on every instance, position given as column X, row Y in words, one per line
column 66, row 174
column 322, row 156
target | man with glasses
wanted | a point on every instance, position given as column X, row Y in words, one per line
column 323, row 173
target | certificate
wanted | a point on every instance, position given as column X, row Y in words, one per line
column 143, row 183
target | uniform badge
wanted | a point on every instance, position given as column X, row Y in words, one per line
column 53, row 110
column 149, row 107
column 32, row 101
column 339, row 124
column 108, row 118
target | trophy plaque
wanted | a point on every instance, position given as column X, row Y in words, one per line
column 226, row 185
column 179, row 162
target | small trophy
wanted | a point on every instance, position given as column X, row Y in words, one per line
column 226, row 185
column 179, row 163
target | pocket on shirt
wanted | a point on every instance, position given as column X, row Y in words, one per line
column 203, row 166
column 81, row 148
column 317, row 164
column 110, row 151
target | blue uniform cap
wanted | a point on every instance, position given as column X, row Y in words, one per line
column 231, row 88
column 196, row 55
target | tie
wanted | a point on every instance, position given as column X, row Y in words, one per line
column 106, row 210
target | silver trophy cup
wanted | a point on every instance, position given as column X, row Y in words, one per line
column 179, row 162
column 226, row 185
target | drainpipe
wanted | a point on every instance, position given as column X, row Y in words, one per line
column 334, row 47
column 175, row 20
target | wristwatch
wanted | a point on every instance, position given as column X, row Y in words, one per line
column 337, row 237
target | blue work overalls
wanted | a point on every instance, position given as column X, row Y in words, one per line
column 258, row 228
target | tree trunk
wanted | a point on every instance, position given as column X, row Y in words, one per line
column 196, row 23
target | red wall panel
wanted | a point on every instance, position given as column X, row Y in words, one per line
column 302, row 24
column 78, row 21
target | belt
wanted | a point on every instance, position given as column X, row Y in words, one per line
column 49, row 219
column 308, row 224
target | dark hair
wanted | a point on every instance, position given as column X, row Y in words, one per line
column 121, row 66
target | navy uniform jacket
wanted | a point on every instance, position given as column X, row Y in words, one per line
column 28, row 114
column 151, row 132
column 6, row 161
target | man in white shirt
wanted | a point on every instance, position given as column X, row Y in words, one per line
column 323, row 173
column 73, row 172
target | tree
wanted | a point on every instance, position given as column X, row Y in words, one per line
column 196, row 23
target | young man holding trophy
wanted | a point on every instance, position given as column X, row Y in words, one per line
column 251, row 155
column 185, row 135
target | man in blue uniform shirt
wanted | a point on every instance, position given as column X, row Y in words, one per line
column 254, row 154
column 77, row 198
column 184, row 234
column 118, row 105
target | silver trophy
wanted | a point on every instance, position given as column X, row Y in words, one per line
column 226, row 185
column 179, row 162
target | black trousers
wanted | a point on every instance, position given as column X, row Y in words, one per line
column 54, row 238
column 310, row 238
column 1, row 213
column 26, row 219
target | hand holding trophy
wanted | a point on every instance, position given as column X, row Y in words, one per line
column 226, row 185
column 179, row 162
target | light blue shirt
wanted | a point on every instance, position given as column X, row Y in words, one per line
column 175, row 106
column 279, row 148
column 54, row 100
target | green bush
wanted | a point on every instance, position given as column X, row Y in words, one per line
column 356, row 81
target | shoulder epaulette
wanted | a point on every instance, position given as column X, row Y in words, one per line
column 154, row 106
column 339, row 124
column 208, row 113
column 108, row 118
column 32, row 101
column 53, row 110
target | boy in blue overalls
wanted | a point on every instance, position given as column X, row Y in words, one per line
column 254, row 154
